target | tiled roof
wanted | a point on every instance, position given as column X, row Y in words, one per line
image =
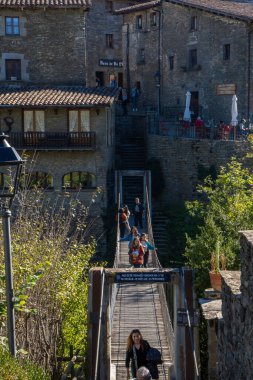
column 138, row 7
column 45, row 3
column 57, row 96
column 233, row 9
column 243, row 11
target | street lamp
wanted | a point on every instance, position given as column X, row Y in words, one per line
column 10, row 170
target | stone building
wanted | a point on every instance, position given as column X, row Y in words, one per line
column 45, row 105
column 230, row 321
column 204, row 47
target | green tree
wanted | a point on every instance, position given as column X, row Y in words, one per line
column 226, row 207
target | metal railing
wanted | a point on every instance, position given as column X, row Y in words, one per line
column 52, row 140
column 161, row 287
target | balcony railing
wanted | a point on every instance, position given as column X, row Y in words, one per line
column 51, row 140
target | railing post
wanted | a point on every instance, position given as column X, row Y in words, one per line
column 94, row 297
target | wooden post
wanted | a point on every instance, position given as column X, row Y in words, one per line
column 189, row 365
column 94, row 297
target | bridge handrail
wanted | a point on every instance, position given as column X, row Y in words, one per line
column 161, row 288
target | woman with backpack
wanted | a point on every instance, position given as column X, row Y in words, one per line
column 140, row 354
column 136, row 352
column 136, row 253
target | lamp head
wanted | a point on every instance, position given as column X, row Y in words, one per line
column 10, row 169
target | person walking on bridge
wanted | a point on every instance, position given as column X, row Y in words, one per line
column 136, row 352
column 147, row 246
column 136, row 253
column 137, row 212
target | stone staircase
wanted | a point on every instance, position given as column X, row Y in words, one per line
column 132, row 188
column 159, row 224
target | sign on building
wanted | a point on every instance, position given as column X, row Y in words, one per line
column 111, row 63
column 225, row 89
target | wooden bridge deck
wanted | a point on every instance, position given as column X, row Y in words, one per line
column 137, row 306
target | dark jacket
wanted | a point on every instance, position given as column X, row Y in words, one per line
column 140, row 208
column 141, row 357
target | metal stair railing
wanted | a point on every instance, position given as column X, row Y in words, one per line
column 161, row 287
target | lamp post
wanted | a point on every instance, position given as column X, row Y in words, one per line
column 10, row 170
column 157, row 77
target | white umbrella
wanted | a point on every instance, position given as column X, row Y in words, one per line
column 234, row 111
column 187, row 113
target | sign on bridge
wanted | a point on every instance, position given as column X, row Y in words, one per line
column 142, row 277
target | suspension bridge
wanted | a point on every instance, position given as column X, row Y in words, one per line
column 157, row 301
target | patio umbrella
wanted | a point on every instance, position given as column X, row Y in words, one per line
column 234, row 111
column 187, row 114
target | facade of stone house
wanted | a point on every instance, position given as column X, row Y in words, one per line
column 104, row 62
column 68, row 132
column 45, row 107
column 199, row 46
column 43, row 43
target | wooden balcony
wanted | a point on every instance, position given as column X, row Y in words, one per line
column 53, row 141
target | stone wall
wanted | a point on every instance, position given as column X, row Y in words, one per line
column 40, row 45
column 236, row 328
column 181, row 160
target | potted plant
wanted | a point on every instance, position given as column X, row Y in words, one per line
column 218, row 263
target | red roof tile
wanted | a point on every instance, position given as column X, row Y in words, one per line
column 45, row 3
column 57, row 96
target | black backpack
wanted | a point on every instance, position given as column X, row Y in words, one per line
column 154, row 356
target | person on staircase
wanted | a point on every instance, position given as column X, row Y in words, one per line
column 136, row 352
column 137, row 212
column 147, row 246
column 136, row 254
column 131, row 236
column 127, row 212
column 135, row 93
column 122, row 222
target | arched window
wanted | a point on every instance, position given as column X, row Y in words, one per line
column 78, row 180
column 37, row 180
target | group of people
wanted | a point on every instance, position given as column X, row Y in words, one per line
column 138, row 245
column 137, row 360
column 134, row 95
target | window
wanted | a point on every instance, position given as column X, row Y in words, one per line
column 109, row 40
column 139, row 22
column 193, row 58
column 79, row 121
column 34, row 121
column 193, row 25
column 109, row 6
column 141, row 56
column 171, row 62
column 153, row 19
column 78, row 180
column 13, row 69
column 36, row 180
column 226, row 52
column 12, row 26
